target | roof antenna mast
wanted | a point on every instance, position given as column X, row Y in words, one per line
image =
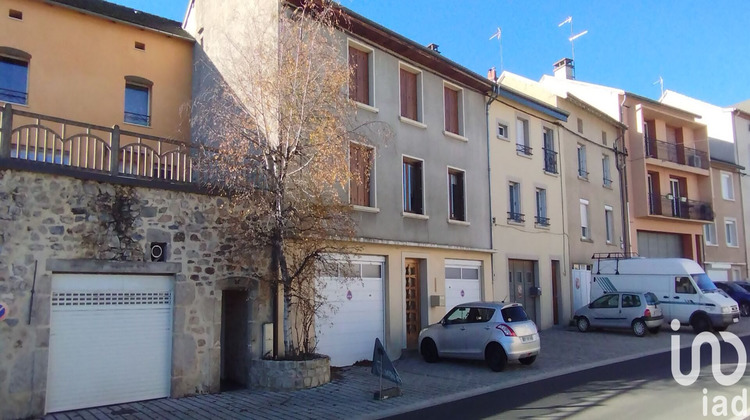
column 498, row 35
column 572, row 37
column 661, row 84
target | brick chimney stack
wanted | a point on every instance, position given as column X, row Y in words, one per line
column 492, row 74
column 565, row 69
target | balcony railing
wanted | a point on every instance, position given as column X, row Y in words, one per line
column 676, row 153
column 679, row 207
column 139, row 119
column 550, row 161
column 541, row 220
column 516, row 217
column 524, row 149
column 607, row 182
column 86, row 147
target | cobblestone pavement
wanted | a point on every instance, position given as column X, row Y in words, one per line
column 350, row 395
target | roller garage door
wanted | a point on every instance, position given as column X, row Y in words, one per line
column 110, row 340
column 462, row 282
column 659, row 245
column 354, row 315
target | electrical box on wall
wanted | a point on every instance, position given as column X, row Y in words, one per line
column 437, row 300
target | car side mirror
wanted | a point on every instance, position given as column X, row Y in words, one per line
column 589, row 305
column 443, row 322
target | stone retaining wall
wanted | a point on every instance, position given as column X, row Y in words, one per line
column 290, row 375
column 46, row 217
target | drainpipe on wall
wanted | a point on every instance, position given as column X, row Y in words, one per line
column 623, row 175
column 492, row 97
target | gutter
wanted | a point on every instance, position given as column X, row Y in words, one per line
column 491, row 99
column 622, row 170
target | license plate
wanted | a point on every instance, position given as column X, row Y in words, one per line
column 736, row 320
column 528, row 338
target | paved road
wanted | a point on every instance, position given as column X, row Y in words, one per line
column 640, row 388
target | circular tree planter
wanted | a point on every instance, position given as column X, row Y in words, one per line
column 290, row 375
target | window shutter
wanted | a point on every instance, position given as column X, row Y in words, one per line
column 366, row 173
column 451, row 110
column 417, row 187
column 408, row 95
column 354, row 169
column 359, row 82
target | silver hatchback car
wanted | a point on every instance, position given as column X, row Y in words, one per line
column 494, row 331
column 637, row 310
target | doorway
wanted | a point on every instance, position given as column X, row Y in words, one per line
column 521, row 278
column 412, row 302
column 556, row 297
column 234, row 323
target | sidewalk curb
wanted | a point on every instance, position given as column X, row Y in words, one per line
column 534, row 378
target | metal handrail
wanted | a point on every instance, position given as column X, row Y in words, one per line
column 675, row 153
column 550, row 160
column 522, row 148
column 680, row 207
column 541, row 221
column 516, row 217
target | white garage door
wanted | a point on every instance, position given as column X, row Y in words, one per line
column 110, row 340
column 354, row 314
column 718, row 275
column 462, row 282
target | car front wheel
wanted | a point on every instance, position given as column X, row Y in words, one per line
column 582, row 324
column 639, row 328
column 429, row 351
column 495, row 357
column 700, row 323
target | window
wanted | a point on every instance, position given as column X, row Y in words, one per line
column 709, row 233
column 459, row 315
column 456, row 195
column 413, row 191
column 580, row 126
column 137, row 104
column 604, row 138
column 522, row 136
column 514, row 202
column 730, row 228
column 541, row 207
column 582, row 172
column 360, row 79
column 585, row 233
column 453, row 104
column 609, row 223
column 606, row 302
column 361, row 164
column 631, row 301
column 607, row 178
column 411, row 93
column 14, row 77
column 15, row 14
column 550, row 155
column 683, row 285
column 139, row 46
column 727, row 186
column 502, row 130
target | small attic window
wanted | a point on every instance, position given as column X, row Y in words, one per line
column 140, row 46
column 15, row 14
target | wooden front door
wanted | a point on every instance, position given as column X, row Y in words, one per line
column 413, row 319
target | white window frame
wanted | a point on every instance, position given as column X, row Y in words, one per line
column 419, row 122
column 609, row 224
column 711, row 226
column 150, row 90
column 606, row 171
column 585, row 222
column 404, row 213
column 504, row 124
column 518, row 199
column 466, row 194
column 582, row 164
column 28, row 76
column 350, row 42
column 526, row 133
column 733, row 222
column 541, row 192
column 461, row 114
column 373, row 180
column 727, row 193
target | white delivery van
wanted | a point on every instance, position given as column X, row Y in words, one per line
column 684, row 290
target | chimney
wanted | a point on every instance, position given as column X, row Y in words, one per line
column 492, row 74
column 434, row 47
column 565, row 69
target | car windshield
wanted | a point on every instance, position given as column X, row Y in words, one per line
column 514, row 314
column 704, row 282
column 744, row 286
column 651, row 298
column 736, row 287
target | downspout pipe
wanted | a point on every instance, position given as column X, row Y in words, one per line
column 492, row 97
column 622, row 152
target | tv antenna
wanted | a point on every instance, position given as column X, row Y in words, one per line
column 661, row 84
column 498, row 35
column 572, row 37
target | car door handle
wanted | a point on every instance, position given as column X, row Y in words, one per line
column 487, row 328
column 676, row 297
column 463, row 328
column 666, row 297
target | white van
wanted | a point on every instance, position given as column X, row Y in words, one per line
column 684, row 290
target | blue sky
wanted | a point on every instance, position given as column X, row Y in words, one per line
column 699, row 48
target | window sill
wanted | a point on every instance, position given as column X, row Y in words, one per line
column 455, row 136
column 411, row 122
column 414, row 215
column 727, row 199
column 367, row 107
column 503, row 138
column 732, row 246
column 555, row 174
column 136, row 125
column 716, row 245
column 543, row 227
column 458, row 222
column 365, row 209
column 15, row 104
column 609, row 187
column 515, row 223
column 583, row 178
column 524, row 155
column 591, row 241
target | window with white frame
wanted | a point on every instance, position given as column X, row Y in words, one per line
column 514, row 202
column 730, row 229
column 456, row 194
column 582, row 171
column 14, row 80
column 453, row 105
column 362, row 182
column 137, row 103
column 609, row 223
column 709, row 233
column 522, row 136
column 727, row 186
column 410, row 88
column 412, row 184
column 361, row 75
column 585, row 232
column 606, row 174
column 502, row 130
column 541, row 207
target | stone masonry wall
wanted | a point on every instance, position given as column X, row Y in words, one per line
column 46, row 217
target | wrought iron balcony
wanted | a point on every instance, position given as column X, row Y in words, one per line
column 679, row 207
column 516, row 217
column 607, row 182
column 676, row 153
column 522, row 148
column 135, row 118
column 583, row 173
column 550, row 161
column 541, row 221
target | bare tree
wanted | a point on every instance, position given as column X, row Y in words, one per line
column 277, row 125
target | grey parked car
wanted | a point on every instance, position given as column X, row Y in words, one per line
column 493, row 331
column 637, row 310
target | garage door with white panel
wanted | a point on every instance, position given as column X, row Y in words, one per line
column 462, row 282
column 354, row 313
column 110, row 340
